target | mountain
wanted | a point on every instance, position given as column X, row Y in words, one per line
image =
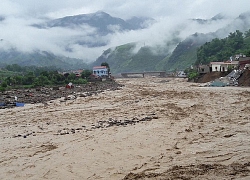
column 176, row 53
column 135, row 57
column 40, row 59
column 101, row 21
column 183, row 56
column 123, row 59
column 94, row 26
column 215, row 18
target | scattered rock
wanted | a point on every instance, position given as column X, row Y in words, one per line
column 106, row 124
column 44, row 94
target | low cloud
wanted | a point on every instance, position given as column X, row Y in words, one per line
column 172, row 21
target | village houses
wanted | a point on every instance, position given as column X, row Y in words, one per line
column 236, row 62
column 223, row 66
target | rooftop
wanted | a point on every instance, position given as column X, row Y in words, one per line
column 225, row 62
column 99, row 67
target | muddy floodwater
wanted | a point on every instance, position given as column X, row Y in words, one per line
column 150, row 128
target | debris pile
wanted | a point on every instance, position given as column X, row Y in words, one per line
column 229, row 80
column 244, row 80
column 9, row 99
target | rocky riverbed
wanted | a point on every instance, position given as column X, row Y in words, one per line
column 45, row 94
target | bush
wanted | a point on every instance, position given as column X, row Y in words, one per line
column 192, row 75
column 2, row 89
column 80, row 81
column 4, row 85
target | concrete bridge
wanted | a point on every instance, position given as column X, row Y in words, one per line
column 150, row 73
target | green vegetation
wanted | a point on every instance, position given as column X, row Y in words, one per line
column 185, row 54
column 222, row 49
column 29, row 77
column 6, row 73
column 196, row 49
column 14, row 69
column 39, row 59
column 118, row 58
column 86, row 73
column 191, row 73
column 125, row 59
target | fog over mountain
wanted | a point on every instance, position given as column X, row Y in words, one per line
column 96, row 27
column 84, row 29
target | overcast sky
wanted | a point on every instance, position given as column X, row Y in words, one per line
column 170, row 14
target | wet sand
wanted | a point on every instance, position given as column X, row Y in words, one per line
column 152, row 128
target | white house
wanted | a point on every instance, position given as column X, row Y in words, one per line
column 100, row 71
column 223, row 66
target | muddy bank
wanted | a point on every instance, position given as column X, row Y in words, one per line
column 244, row 79
column 44, row 94
column 203, row 78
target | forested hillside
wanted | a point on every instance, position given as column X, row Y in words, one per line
column 195, row 49
column 222, row 49
column 185, row 54
column 124, row 59
column 40, row 59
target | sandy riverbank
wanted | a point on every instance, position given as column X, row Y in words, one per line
column 152, row 128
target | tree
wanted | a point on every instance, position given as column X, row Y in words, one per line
column 222, row 49
column 71, row 76
column 4, row 85
column 29, row 78
column 235, row 40
column 18, row 80
column 107, row 66
column 44, row 73
column 247, row 33
column 80, row 81
column 86, row 73
column 58, row 78
column 41, row 81
column 9, row 80
column 14, row 67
